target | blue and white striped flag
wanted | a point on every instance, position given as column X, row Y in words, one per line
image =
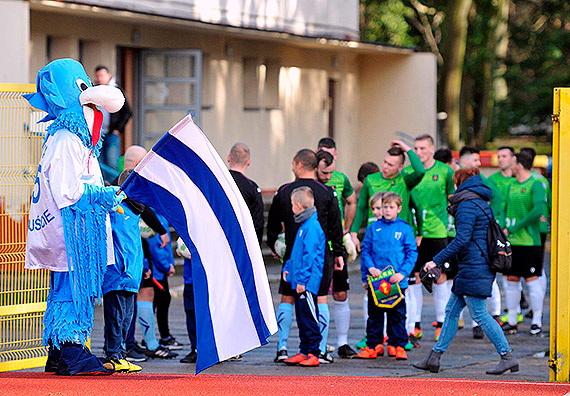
column 184, row 179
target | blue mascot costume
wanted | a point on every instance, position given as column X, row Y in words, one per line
column 69, row 232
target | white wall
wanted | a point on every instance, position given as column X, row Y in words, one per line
column 397, row 93
column 14, row 41
column 331, row 18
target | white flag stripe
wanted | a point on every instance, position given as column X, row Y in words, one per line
column 195, row 139
column 231, row 318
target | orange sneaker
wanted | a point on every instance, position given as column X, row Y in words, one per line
column 401, row 354
column 310, row 361
column 298, row 358
column 391, row 350
column 367, row 353
column 379, row 350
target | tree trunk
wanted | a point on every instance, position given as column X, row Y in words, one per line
column 452, row 72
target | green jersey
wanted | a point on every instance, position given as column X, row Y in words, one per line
column 525, row 205
column 497, row 199
column 341, row 185
column 433, row 191
column 546, row 213
column 401, row 185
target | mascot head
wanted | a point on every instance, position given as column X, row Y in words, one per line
column 66, row 94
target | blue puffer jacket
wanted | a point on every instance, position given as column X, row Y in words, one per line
column 305, row 266
column 389, row 242
column 474, row 277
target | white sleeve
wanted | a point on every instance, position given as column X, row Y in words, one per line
column 67, row 169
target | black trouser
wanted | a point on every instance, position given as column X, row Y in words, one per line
column 190, row 314
column 161, row 305
column 307, row 314
column 396, row 330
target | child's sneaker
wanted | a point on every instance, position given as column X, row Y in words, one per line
column 346, row 352
column 281, row 356
column 310, row 361
column 295, row 360
column 401, row 354
column 409, row 346
column 508, row 329
column 379, row 349
column 362, row 343
column 413, row 340
column 391, row 351
column 326, row 358
column 161, row 353
column 171, row 343
column 367, row 353
column 460, row 324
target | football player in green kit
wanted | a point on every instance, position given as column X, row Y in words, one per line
column 338, row 181
column 433, row 190
column 525, row 204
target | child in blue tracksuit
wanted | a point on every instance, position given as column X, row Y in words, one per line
column 389, row 241
column 304, row 271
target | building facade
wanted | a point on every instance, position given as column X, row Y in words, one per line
column 276, row 75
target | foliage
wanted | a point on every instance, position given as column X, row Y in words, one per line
column 385, row 22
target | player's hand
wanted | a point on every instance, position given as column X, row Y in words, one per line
column 354, row 236
column 285, row 273
column 400, row 143
column 375, row 272
column 171, row 271
column 396, row 278
column 300, row 289
column 365, row 286
column 338, row 263
column 147, row 274
column 430, row 265
column 165, row 239
column 419, row 240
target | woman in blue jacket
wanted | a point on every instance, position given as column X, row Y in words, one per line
column 473, row 283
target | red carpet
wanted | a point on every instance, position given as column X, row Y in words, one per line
column 30, row 384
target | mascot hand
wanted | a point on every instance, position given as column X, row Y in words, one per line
column 111, row 197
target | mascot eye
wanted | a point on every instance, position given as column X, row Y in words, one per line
column 81, row 84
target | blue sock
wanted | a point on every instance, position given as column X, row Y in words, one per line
column 324, row 321
column 284, row 322
column 146, row 320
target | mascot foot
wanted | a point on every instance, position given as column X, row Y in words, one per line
column 78, row 360
column 54, row 355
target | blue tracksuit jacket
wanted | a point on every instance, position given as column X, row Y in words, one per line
column 307, row 259
column 388, row 242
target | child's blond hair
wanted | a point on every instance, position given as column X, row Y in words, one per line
column 303, row 196
column 392, row 197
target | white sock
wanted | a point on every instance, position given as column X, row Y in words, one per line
column 342, row 321
column 513, row 301
column 536, row 294
column 543, row 280
column 419, row 297
column 440, row 298
column 410, row 311
column 495, row 300
column 365, row 308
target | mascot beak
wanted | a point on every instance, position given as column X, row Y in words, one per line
column 110, row 98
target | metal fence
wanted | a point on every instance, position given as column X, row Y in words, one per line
column 23, row 293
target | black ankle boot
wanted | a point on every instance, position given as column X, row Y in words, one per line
column 508, row 362
column 430, row 362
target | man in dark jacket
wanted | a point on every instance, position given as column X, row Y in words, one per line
column 113, row 127
column 239, row 159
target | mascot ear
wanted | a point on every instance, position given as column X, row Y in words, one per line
column 38, row 101
column 49, row 89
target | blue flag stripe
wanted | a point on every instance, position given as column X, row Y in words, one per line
column 180, row 155
column 169, row 206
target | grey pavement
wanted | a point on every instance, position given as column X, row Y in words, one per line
column 466, row 358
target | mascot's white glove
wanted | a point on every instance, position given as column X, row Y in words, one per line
column 350, row 248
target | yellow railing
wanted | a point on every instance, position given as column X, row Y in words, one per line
column 23, row 293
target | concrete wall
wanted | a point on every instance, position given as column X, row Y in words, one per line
column 397, row 93
column 14, row 41
column 330, row 18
